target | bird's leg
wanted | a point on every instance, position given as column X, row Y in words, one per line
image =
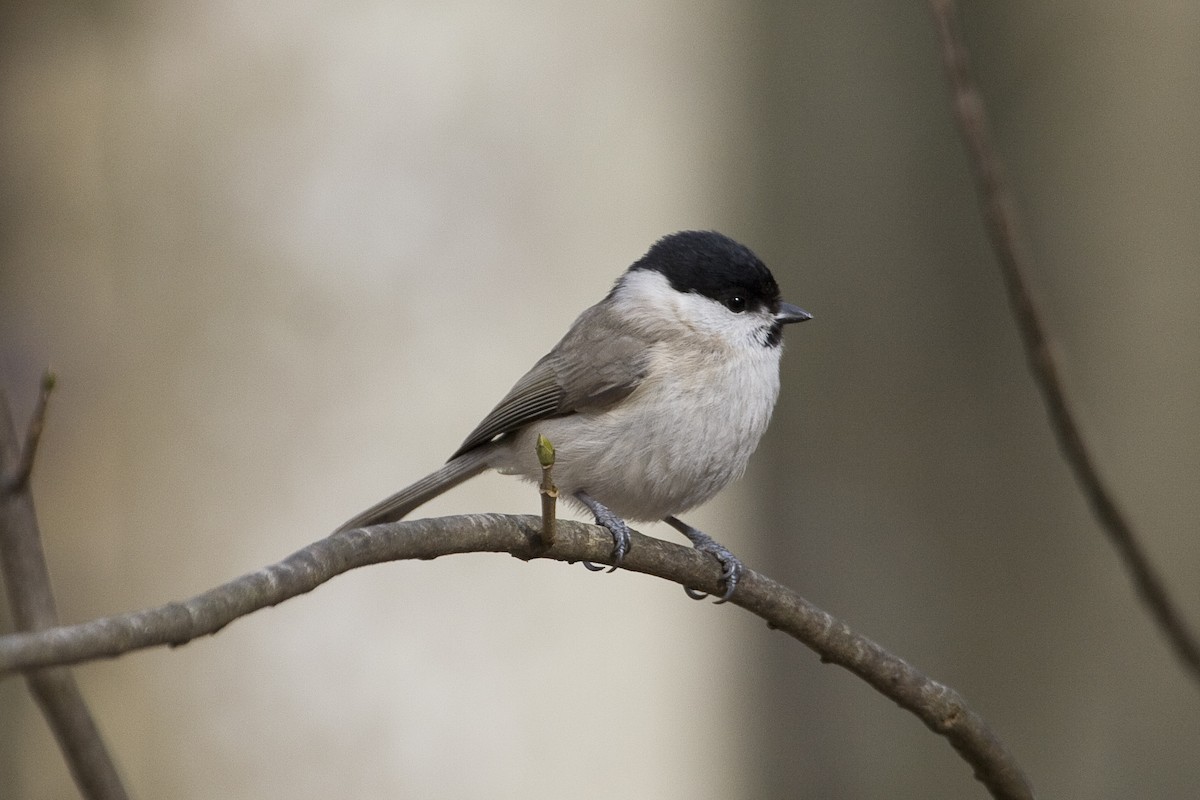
column 615, row 525
column 731, row 565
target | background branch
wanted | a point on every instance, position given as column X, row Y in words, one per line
column 938, row 706
column 18, row 479
column 27, row 581
column 1014, row 265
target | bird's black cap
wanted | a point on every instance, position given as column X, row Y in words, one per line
column 713, row 265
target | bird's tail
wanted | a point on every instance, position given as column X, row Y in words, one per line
column 396, row 507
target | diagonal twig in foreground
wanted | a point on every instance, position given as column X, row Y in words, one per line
column 27, row 580
column 1014, row 265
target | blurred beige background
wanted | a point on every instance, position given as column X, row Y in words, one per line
column 284, row 256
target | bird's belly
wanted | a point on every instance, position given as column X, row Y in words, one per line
column 644, row 463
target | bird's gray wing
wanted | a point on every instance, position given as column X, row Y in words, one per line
column 596, row 364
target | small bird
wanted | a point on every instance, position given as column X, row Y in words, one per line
column 654, row 399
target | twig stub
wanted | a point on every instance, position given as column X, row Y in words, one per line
column 548, row 491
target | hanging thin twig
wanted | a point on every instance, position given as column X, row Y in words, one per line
column 1014, row 264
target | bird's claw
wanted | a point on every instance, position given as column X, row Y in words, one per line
column 731, row 573
column 731, row 566
column 620, row 534
column 614, row 525
column 620, row 548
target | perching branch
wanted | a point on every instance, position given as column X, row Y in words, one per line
column 1014, row 265
column 938, row 706
column 27, row 581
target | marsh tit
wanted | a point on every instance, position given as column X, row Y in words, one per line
column 654, row 400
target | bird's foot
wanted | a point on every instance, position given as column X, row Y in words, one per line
column 615, row 525
column 731, row 565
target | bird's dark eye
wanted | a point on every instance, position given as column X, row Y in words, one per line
column 736, row 303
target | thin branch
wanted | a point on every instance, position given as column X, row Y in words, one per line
column 27, row 581
column 1014, row 264
column 938, row 706
column 19, row 479
column 79, row 738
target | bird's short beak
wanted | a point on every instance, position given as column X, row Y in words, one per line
column 790, row 313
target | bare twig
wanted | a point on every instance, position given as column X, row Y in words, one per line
column 27, row 581
column 938, row 706
column 1015, row 266
column 19, row 479
column 547, row 489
